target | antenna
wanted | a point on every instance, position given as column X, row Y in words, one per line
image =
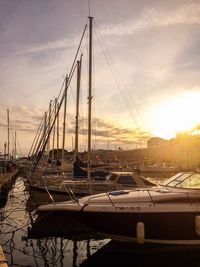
column 89, row 8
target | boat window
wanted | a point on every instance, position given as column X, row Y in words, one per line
column 116, row 193
column 112, row 177
column 147, row 182
column 173, row 183
column 126, row 179
column 191, row 182
column 175, row 180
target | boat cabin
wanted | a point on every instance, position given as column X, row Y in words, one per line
column 128, row 179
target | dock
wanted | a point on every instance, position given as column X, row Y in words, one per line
column 6, row 181
column 3, row 262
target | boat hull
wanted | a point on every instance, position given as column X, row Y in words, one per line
column 164, row 227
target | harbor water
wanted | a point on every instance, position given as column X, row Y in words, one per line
column 20, row 249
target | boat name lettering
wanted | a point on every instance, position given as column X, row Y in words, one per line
column 128, row 208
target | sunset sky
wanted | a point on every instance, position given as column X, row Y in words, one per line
column 146, row 77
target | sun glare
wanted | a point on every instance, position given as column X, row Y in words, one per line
column 176, row 115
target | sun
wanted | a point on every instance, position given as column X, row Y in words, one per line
column 176, row 115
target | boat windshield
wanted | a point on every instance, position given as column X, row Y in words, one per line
column 126, row 179
column 184, row 180
column 112, row 177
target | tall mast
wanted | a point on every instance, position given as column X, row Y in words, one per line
column 89, row 97
column 77, row 106
column 54, row 130
column 48, row 127
column 15, row 145
column 57, row 154
column 64, row 120
column 8, row 133
column 44, row 133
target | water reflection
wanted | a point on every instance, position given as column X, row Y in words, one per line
column 128, row 254
column 51, row 250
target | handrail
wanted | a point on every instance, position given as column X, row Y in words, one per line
column 51, row 197
column 151, row 197
column 71, row 194
column 107, row 193
column 75, row 198
column 89, row 188
column 68, row 192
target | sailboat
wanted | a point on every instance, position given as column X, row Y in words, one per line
column 86, row 179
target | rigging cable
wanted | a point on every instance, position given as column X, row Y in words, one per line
column 119, row 81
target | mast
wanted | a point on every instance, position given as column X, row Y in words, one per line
column 15, row 145
column 89, row 97
column 77, row 106
column 64, row 120
column 54, row 131
column 57, row 154
column 48, row 127
column 5, row 146
column 8, row 133
column 44, row 134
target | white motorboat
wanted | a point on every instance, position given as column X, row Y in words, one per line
column 163, row 214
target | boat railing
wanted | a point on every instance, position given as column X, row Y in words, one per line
column 119, row 192
column 83, row 187
column 71, row 194
column 89, row 188
column 191, row 198
column 107, row 193
column 151, row 197
column 51, row 197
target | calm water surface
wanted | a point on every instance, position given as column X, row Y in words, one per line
column 51, row 251
column 58, row 251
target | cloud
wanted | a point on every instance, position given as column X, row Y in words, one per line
column 22, row 118
column 25, row 120
column 55, row 45
column 150, row 18
column 103, row 129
